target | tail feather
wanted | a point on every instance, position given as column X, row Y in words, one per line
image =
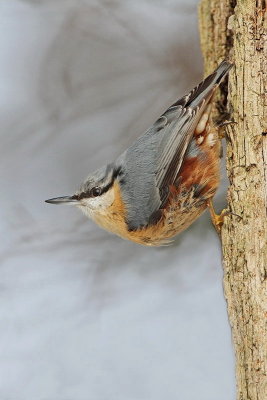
column 206, row 88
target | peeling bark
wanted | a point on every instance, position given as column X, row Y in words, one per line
column 237, row 31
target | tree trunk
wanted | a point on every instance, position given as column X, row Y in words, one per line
column 237, row 31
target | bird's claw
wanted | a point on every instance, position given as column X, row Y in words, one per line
column 217, row 219
column 221, row 126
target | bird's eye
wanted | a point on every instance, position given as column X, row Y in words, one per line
column 96, row 191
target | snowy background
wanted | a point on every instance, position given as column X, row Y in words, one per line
column 85, row 315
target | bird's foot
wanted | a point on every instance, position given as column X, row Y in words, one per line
column 217, row 219
column 222, row 125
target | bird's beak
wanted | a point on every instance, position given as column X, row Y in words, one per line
column 63, row 200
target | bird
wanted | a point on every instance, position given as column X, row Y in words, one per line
column 166, row 179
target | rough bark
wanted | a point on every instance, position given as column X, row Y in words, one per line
column 237, row 30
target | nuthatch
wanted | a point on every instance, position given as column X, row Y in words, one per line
column 165, row 179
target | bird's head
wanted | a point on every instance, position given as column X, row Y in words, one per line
column 96, row 193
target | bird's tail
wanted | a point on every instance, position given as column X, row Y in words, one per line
column 206, row 88
column 222, row 70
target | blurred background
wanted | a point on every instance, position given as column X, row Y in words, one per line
column 84, row 314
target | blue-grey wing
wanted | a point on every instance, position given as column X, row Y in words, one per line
column 153, row 162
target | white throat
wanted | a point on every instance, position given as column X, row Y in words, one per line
column 97, row 205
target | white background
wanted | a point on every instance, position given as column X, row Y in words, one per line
column 85, row 315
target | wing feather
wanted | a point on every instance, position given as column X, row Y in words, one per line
column 153, row 162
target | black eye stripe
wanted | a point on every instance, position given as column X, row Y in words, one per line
column 90, row 193
column 107, row 187
column 117, row 172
